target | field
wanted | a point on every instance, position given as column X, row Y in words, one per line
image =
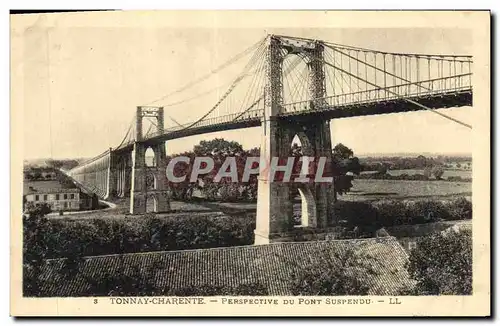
column 401, row 189
column 447, row 173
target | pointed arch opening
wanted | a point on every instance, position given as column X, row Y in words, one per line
column 304, row 206
column 150, row 157
column 151, row 204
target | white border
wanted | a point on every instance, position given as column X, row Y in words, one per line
column 192, row 4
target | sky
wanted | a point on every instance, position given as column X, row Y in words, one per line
column 82, row 85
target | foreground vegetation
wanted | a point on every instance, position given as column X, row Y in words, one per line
column 58, row 238
column 441, row 264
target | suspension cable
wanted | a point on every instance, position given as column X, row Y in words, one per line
column 231, row 88
column 403, row 98
column 127, row 133
column 214, row 71
column 291, row 67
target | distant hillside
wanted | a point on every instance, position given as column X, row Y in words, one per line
column 43, row 162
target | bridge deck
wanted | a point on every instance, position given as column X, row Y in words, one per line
column 302, row 110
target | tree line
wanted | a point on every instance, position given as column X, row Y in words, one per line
column 343, row 161
column 420, row 162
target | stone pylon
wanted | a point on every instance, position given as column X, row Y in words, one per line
column 274, row 201
column 140, row 191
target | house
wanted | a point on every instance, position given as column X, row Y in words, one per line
column 59, row 196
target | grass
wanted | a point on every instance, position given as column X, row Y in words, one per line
column 402, row 189
column 447, row 173
column 363, row 190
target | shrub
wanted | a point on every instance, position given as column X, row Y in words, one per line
column 426, row 211
column 441, row 264
column 342, row 273
column 459, row 209
column 38, row 236
column 391, row 212
column 66, row 238
column 386, row 213
column 360, row 214
column 438, row 171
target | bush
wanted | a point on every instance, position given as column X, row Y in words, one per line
column 459, row 209
column 441, row 264
column 66, row 238
column 386, row 213
column 391, row 212
column 342, row 274
column 360, row 214
column 60, row 238
column 438, row 171
column 427, row 211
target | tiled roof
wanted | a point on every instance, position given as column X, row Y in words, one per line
column 271, row 265
column 44, row 187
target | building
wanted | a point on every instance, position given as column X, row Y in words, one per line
column 269, row 266
column 58, row 196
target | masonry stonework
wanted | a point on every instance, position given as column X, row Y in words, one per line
column 275, row 203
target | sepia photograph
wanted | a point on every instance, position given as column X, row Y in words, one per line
column 210, row 161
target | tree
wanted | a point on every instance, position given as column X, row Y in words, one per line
column 340, row 151
column 441, row 264
column 36, row 233
column 343, row 163
column 64, row 180
column 37, row 175
column 427, row 172
column 382, row 168
column 218, row 147
column 421, row 162
column 58, row 164
column 438, row 171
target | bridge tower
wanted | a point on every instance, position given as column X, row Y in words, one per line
column 140, row 191
column 275, row 203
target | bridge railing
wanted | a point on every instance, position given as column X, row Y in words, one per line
column 429, row 87
column 212, row 121
column 422, row 88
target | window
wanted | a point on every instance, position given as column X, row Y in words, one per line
column 72, row 196
column 65, row 196
column 57, row 197
column 65, row 205
column 36, row 197
column 45, row 197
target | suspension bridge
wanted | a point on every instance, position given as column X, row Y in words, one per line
column 289, row 86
